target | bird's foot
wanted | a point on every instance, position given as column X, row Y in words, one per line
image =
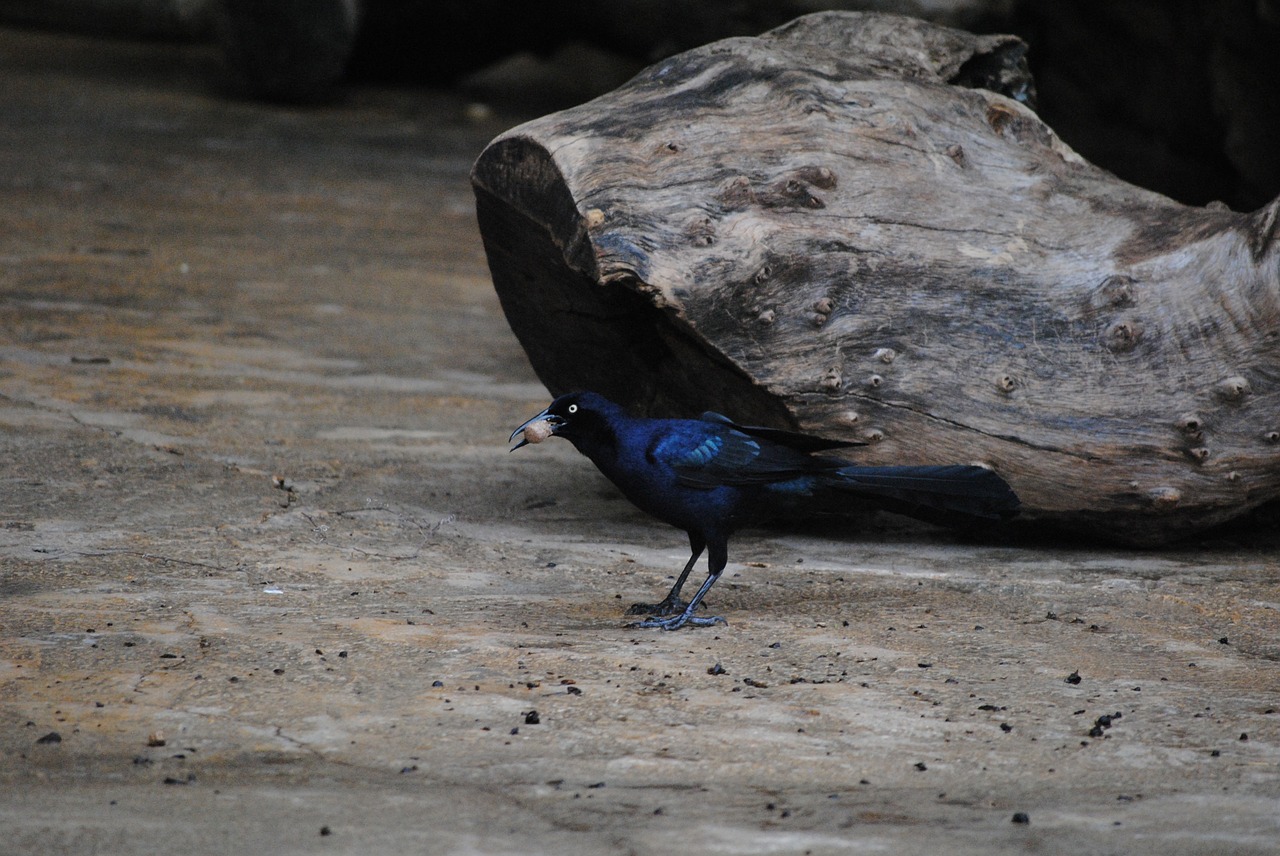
column 667, row 606
column 675, row 622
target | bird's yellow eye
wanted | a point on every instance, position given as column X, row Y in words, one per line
column 573, row 408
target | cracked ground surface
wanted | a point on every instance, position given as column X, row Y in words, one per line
column 270, row 581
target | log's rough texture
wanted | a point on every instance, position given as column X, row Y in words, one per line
column 854, row 226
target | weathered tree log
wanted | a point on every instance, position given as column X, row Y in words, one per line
column 844, row 227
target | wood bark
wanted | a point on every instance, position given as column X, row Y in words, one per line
column 854, row 226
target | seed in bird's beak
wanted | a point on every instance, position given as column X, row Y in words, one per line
column 536, row 432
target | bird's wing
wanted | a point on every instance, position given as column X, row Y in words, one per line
column 708, row 454
column 806, row 443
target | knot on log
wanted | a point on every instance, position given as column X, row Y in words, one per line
column 1192, row 425
column 1123, row 336
column 1233, row 388
column 1116, row 292
column 795, row 189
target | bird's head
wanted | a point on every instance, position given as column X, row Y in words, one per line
column 575, row 416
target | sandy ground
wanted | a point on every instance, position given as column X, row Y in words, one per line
column 270, row 581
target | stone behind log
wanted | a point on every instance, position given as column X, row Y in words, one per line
column 834, row 228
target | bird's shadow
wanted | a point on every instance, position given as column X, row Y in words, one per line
column 1257, row 531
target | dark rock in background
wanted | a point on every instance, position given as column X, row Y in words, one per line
column 1179, row 97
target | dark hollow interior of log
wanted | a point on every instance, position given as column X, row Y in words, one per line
column 566, row 321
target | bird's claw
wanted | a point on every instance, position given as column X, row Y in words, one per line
column 675, row 622
column 668, row 606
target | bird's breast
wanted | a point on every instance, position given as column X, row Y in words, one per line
column 655, row 488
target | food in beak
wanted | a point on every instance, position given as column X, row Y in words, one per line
column 536, row 432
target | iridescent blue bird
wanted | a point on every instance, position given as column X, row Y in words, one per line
column 711, row 477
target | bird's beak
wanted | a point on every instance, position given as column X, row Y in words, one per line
column 553, row 421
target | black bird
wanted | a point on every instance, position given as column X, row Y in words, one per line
column 711, row 477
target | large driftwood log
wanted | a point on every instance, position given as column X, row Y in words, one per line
column 844, row 228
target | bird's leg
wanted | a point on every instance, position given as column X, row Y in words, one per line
column 718, row 559
column 672, row 604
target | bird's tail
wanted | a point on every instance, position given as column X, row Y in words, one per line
column 931, row 492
